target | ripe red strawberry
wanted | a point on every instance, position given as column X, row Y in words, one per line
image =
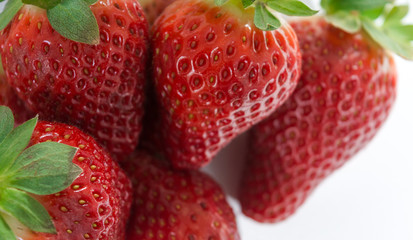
column 154, row 8
column 97, row 86
column 172, row 204
column 8, row 97
column 345, row 93
column 95, row 206
column 217, row 74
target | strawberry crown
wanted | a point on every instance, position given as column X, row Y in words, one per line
column 42, row 169
column 73, row 19
column 265, row 17
column 381, row 19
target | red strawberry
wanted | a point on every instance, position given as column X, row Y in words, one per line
column 97, row 87
column 154, row 8
column 217, row 74
column 346, row 91
column 8, row 97
column 172, row 204
column 95, row 206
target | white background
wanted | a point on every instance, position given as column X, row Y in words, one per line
column 370, row 198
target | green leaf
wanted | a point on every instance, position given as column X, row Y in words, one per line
column 5, row 231
column 325, row 4
column 6, row 122
column 354, row 5
column 15, row 143
column 373, row 13
column 291, row 7
column 74, row 20
column 45, row 4
column 398, row 46
column 45, row 168
column 9, row 11
column 247, row 3
column 264, row 19
column 348, row 22
column 220, row 2
column 90, row 2
column 396, row 15
column 27, row 210
column 401, row 32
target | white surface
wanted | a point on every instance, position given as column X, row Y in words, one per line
column 370, row 198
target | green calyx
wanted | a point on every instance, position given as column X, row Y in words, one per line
column 381, row 19
column 265, row 11
column 73, row 19
column 42, row 169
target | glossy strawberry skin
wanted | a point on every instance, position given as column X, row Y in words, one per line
column 98, row 88
column 8, row 97
column 346, row 91
column 171, row 204
column 216, row 75
column 97, row 204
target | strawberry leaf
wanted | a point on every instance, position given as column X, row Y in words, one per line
column 247, row 3
column 90, row 2
column 353, row 5
column 15, row 143
column 264, row 19
column 9, row 11
column 6, row 122
column 373, row 13
column 5, row 231
column 44, row 168
column 401, row 32
column 348, row 22
column 45, row 4
column 74, row 20
column 27, row 210
column 399, row 46
column 396, row 15
column 291, row 7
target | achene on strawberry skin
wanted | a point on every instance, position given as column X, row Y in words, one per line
column 97, row 87
column 176, row 204
column 345, row 94
column 217, row 74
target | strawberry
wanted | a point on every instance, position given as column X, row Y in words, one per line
column 154, row 8
column 86, row 68
column 345, row 94
column 217, row 74
column 92, row 200
column 172, row 204
column 8, row 97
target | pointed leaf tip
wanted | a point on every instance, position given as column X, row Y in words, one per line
column 45, row 168
column 264, row 19
column 291, row 7
column 247, row 3
column 15, row 142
